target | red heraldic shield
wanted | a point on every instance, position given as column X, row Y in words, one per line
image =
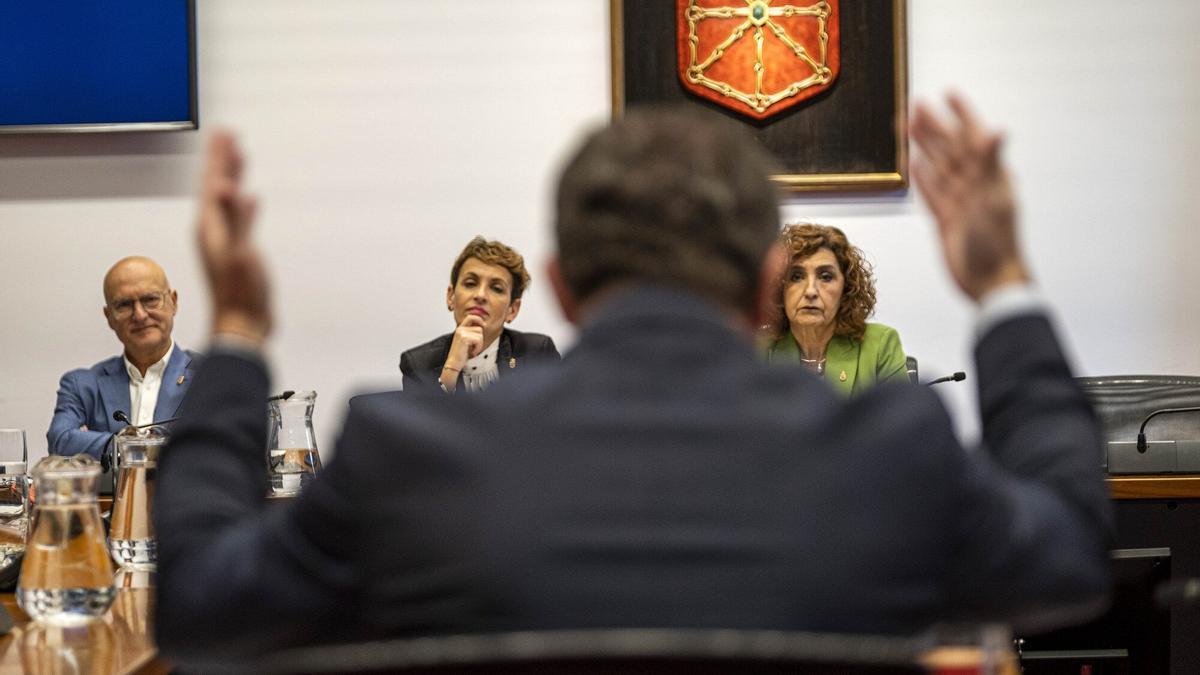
column 757, row 57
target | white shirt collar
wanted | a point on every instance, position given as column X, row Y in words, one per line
column 156, row 369
column 144, row 389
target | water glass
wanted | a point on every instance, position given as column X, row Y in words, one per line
column 970, row 649
column 14, row 501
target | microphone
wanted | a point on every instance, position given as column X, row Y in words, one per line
column 956, row 377
column 106, row 453
column 1141, row 437
column 287, row 393
column 120, row 416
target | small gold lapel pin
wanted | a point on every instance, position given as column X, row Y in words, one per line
column 842, row 377
column 512, row 362
column 181, row 379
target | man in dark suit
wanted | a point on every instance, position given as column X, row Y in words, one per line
column 147, row 382
column 660, row 476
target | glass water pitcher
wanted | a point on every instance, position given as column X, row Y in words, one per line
column 66, row 576
column 292, row 459
column 131, row 540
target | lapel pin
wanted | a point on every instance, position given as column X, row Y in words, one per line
column 842, row 377
column 181, row 379
column 512, row 362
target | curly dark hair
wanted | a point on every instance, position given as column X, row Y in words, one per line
column 494, row 253
column 858, row 295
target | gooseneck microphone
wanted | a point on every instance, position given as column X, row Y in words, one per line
column 107, row 451
column 120, row 416
column 1141, row 439
column 956, row 377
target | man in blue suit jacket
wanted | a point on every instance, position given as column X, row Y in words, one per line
column 661, row 476
column 146, row 383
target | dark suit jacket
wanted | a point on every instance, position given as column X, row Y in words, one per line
column 91, row 395
column 422, row 365
column 659, row 476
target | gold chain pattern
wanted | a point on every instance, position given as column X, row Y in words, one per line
column 758, row 14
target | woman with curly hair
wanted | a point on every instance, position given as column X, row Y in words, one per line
column 826, row 294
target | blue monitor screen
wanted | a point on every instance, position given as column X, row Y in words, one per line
column 88, row 63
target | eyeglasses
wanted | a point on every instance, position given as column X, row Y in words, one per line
column 123, row 308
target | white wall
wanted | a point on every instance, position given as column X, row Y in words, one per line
column 384, row 133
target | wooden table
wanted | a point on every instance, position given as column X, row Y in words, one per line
column 1173, row 486
column 119, row 643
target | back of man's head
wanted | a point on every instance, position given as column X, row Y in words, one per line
column 668, row 197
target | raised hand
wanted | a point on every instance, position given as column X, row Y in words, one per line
column 967, row 189
column 237, row 278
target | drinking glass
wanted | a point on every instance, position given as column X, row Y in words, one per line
column 970, row 649
column 14, row 503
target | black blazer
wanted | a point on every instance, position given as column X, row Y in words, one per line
column 660, row 476
column 422, row 365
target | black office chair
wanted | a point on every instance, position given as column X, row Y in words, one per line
column 592, row 652
column 1123, row 401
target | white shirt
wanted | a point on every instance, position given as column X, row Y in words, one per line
column 1006, row 302
column 143, row 389
column 481, row 370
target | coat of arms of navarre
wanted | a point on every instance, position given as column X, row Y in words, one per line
column 757, row 57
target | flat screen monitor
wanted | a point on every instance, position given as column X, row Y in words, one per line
column 88, row 66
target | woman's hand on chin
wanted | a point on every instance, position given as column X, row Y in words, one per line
column 467, row 342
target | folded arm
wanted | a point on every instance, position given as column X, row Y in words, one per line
column 68, row 433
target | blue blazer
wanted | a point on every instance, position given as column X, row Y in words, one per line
column 90, row 395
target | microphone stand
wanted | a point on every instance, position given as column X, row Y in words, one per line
column 956, row 377
column 1141, row 437
column 120, row 416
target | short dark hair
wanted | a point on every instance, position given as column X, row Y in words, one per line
column 668, row 196
column 494, row 253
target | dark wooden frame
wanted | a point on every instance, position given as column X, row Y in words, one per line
column 851, row 137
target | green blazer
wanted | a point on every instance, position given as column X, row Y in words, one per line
column 852, row 367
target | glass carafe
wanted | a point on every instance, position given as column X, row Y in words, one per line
column 292, row 459
column 131, row 539
column 67, row 576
